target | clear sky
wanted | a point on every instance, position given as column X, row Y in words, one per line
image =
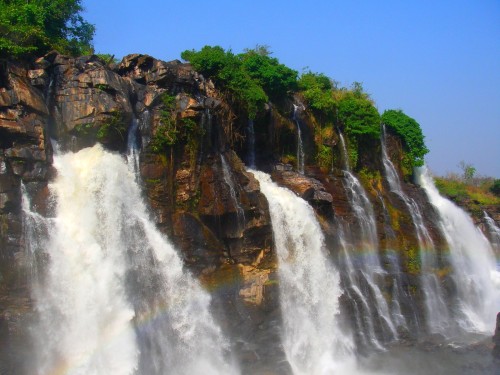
column 438, row 61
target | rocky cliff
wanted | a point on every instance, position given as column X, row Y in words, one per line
column 194, row 179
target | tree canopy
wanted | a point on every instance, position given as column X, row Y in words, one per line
column 252, row 77
column 410, row 132
column 34, row 27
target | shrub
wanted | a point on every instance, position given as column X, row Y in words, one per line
column 410, row 132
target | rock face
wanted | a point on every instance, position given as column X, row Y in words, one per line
column 496, row 340
column 197, row 186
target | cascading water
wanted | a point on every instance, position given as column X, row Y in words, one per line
column 300, row 146
column 113, row 297
column 133, row 147
column 474, row 271
column 309, row 286
column 437, row 314
column 494, row 233
column 228, row 179
column 364, row 278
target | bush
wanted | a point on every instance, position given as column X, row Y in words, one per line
column 410, row 132
column 495, row 188
column 317, row 90
column 32, row 28
column 251, row 77
column 359, row 117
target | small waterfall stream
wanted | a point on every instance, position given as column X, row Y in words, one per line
column 309, row 284
column 300, row 146
column 133, row 148
column 228, row 179
column 437, row 314
column 494, row 233
column 368, row 273
column 474, row 269
column 113, row 297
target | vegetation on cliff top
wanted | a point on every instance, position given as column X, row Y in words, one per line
column 32, row 28
column 468, row 190
column 252, row 77
column 410, row 132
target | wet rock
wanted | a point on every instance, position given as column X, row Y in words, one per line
column 496, row 340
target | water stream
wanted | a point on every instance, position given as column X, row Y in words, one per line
column 367, row 274
column 113, row 297
column 474, row 269
column 437, row 314
column 313, row 338
column 300, row 146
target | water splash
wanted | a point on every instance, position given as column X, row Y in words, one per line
column 114, row 298
column 309, row 286
column 473, row 263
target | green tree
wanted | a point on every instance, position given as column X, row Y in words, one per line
column 468, row 171
column 34, row 27
column 359, row 117
column 495, row 187
column 410, row 132
column 317, row 90
column 276, row 79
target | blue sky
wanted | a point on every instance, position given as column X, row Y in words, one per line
column 438, row 61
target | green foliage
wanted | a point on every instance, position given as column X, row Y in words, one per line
column 171, row 130
column 166, row 134
column 276, row 79
column 413, row 261
column 31, row 28
column 324, row 156
column 410, row 132
column 317, row 90
column 107, row 58
column 113, row 125
column 468, row 171
column 495, row 187
column 464, row 192
column 359, row 117
column 251, row 77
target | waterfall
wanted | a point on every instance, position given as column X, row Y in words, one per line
column 494, row 233
column 133, row 147
column 477, row 280
column 251, row 144
column 228, row 179
column 345, row 155
column 300, row 146
column 113, row 297
column 364, row 279
column 309, row 286
column 437, row 314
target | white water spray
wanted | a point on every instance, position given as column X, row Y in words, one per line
column 474, row 268
column 114, row 298
column 309, row 286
